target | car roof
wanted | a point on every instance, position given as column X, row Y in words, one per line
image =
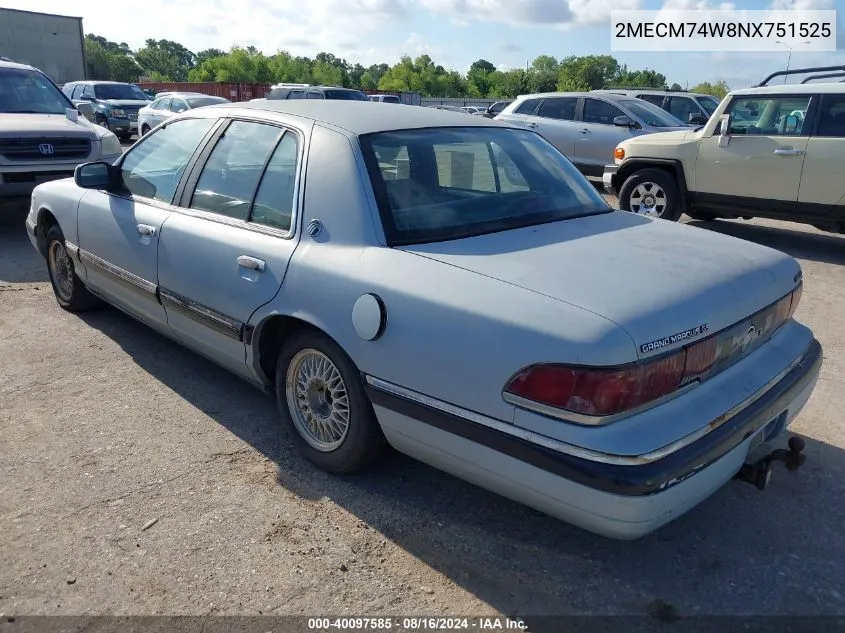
column 17, row 66
column 668, row 93
column 357, row 117
column 97, row 82
column 795, row 89
column 610, row 96
column 187, row 94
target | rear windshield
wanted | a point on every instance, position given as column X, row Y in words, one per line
column 652, row 115
column 198, row 102
column 30, row 92
column 438, row 184
column 119, row 91
column 348, row 95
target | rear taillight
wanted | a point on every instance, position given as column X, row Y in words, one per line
column 795, row 300
column 600, row 393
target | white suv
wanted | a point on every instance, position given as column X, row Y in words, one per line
column 42, row 136
column 770, row 151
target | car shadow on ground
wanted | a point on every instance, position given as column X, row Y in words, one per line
column 816, row 246
column 19, row 261
column 742, row 551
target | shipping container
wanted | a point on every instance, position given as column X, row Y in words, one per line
column 230, row 91
column 51, row 43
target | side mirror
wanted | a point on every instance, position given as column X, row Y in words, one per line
column 86, row 98
column 92, row 175
column 724, row 130
column 697, row 119
column 624, row 121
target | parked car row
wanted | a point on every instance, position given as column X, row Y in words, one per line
column 771, row 151
column 43, row 136
column 587, row 126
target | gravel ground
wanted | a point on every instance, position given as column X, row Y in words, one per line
column 138, row 478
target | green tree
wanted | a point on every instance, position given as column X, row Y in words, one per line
column 108, row 60
column 676, row 87
column 478, row 77
column 509, row 84
column 718, row 90
column 209, row 53
column 587, row 73
column 165, row 58
column 542, row 76
column 639, row 78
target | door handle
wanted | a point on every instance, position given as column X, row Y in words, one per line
column 146, row 229
column 585, row 131
column 245, row 261
column 531, row 125
column 789, row 152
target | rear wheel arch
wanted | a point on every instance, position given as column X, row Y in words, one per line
column 268, row 338
column 45, row 221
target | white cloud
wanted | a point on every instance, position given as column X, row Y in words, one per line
column 530, row 12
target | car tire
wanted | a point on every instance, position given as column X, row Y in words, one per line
column 145, row 130
column 71, row 293
column 124, row 137
column 317, row 386
column 103, row 122
column 653, row 193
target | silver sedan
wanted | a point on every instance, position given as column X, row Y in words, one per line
column 170, row 103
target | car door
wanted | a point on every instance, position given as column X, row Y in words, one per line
column 226, row 251
column 822, row 187
column 596, row 136
column 119, row 229
column 555, row 121
column 762, row 162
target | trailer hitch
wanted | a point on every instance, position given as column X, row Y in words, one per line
column 759, row 473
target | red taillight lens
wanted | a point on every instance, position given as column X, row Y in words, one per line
column 796, row 299
column 599, row 392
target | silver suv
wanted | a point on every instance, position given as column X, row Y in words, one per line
column 586, row 126
column 42, row 135
column 691, row 107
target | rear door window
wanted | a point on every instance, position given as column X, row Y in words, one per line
column 561, row 108
column 832, row 118
column 528, row 106
column 683, row 107
column 231, row 174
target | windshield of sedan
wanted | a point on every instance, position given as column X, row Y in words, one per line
column 347, row 95
column 119, row 91
column 709, row 104
column 438, row 184
column 30, row 92
column 652, row 115
column 199, row 102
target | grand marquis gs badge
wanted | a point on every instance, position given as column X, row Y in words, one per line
column 675, row 338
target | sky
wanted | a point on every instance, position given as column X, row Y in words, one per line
column 454, row 33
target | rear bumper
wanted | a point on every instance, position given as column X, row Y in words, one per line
column 608, row 179
column 619, row 501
